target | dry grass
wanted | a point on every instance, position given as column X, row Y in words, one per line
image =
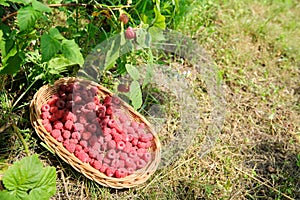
column 255, row 45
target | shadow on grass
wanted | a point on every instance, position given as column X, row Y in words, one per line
column 274, row 163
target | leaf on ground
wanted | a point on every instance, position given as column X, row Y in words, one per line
column 72, row 52
column 27, row 17
column 28, row 174
column 49, row 46
column 136, row 95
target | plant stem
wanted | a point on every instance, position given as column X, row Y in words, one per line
column 16, row 129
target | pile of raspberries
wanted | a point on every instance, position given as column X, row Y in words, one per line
column 98, row 132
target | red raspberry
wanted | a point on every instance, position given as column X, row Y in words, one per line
column 76, row 135
column 78, row 127
column 77, row 98
column 83, row 143
column 141, row 152
column 148, row 144
column 120, row 145
column 90, row 106
column 53, row 100
column 63, row 88
column 70, row 116
column 86, row 135
column 129, row 137
column 142, row 125
column 130, row 171
column 66, row 134
column 97, row 165
column 45, row 115
column 60, row 139
column 59, row 114
column 128, row 147
column 123, row 88
column 129, row 33
column 107, row 138
column 111, row 144
column 58, row 125
column 74, row 141
column 114, row 163
column 101, row 140
column 117, row 137
column 111, row 154
column 53, row 109
column 130, row 130
column 93, row 140
column 111, row 123
column 121, row 164
column 146, row 157
column 92, row 128
column 45, row 108
column 69, row 97
column 140, row 163
column 78, row 147
column 107, row 100
column 56, row 133
column 116, row 100
column 142, row 145
column 71, row 147
column 129, row 163
column 91, row 115
column 83, row 156
column 70, row 88
column 45, row 121
column 145, row 137
column 69, row 125
column 103, row 167
column 123, row 156
column 106, row 160
column 124, row 18
column 82, row 120
column 86, row 149
column 48, row 127
column 104, row 146
column 110, row 171
column 66, row 142
column 93, row 153
column 109, row 110
column 101, row 111
column 96, row 101
column 135, row 142
column 123, row 118
column 121, row 173
column 100, row 157
column 60, row 104
column 106, row 131
column 63, row 96
column 135, row 125
column 132, row 154
column 96, row 146
column 94, row 90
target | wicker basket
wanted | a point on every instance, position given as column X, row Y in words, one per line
column 44, row 94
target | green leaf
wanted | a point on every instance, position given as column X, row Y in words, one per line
column 2, row 44
column 112, row 55
column 28, row 175
column 49, row 46
column 58, row 65
column 143, row 38
column 4, row 194
column 133, row 72
column 25, row 2
column 160, row 20
column 136, row 95
column 27, row 17
column 54, row 32
column 41, row 7
column 156, row 34
column 3, row 3
column 72, row 52
column 12, row 64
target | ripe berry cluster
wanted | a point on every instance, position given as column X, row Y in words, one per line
column 97, row 131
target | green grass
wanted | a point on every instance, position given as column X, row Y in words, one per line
column 255, row 45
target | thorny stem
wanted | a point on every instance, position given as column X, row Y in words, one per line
column 16, row 129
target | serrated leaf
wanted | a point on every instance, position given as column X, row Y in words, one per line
column 58, row 65
column 27, row 17
column 28, row 175
column 49, row 46
column 4, row 194
column 40, row 6
column 54, row 32
column 133, row 72
column 160, row 20
column 72, row 52
column 136, row 95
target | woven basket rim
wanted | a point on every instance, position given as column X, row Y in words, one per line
column 138, row 177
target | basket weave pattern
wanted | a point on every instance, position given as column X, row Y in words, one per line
column 138, row 177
